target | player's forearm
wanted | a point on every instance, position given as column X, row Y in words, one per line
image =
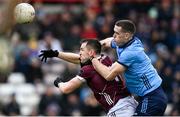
column 66, row 87
column 63, row 87
column 70, row 86
column 70, row 57
column 103, row 70
column 115, row 70
column 106, row 42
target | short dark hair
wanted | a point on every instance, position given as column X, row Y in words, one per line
column 127, row 26
column 93, row 44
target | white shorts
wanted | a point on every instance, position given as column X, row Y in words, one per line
column 125, row 107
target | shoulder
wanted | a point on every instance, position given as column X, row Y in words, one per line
column 86, row 71
column 137, row 45
column 134, row 49
column 128, row 53
column 106, row 60
column 87, row 67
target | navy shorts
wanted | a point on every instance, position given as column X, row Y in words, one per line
column 152, row 104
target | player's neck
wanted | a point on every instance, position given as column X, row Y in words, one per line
column 131, row 40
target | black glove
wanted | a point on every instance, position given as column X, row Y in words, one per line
column 57, row 81
column 48, row 54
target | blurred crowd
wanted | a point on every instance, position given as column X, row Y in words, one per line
column 61, row 27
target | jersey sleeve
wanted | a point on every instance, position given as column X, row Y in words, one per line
column 113, row 44
column 127, row 58
column 86, row 72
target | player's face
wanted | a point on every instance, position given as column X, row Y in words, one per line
column 120, row 37
column 84, row 53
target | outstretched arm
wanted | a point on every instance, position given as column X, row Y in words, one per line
column 68, row 87
column 106, row 42
column 106, row 72
column 67, row 56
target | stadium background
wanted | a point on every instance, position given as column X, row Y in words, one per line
column 26, row 84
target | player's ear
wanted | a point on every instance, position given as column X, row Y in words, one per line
column 91, row 53
column 127, row 35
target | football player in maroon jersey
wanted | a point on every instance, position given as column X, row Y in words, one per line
column 112, row 95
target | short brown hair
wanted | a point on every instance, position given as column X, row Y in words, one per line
column 127, row 26
column 94, row 44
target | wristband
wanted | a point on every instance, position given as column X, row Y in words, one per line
column 56, row 53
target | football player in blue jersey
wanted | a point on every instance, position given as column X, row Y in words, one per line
column 141, row 77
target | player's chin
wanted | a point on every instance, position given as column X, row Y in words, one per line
column 82, row 61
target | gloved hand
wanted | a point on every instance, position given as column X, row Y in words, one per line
column 48, row 54
column 57, row 81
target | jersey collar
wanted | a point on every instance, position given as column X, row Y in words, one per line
column 128, row 43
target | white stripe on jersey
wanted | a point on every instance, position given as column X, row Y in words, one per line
column 107, row 97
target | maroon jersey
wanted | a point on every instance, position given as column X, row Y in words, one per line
column 106, row 92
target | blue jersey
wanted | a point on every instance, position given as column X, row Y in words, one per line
column 140, row 75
